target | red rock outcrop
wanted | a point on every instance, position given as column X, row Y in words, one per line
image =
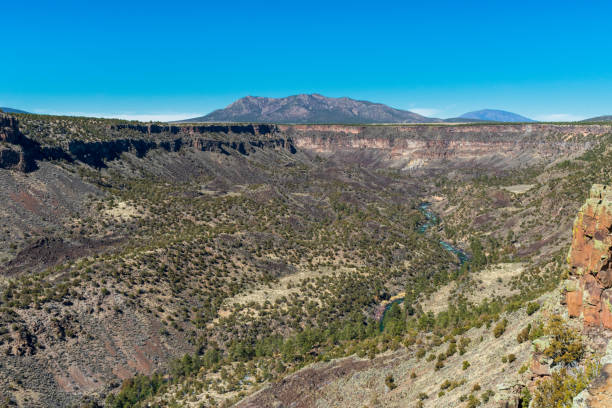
column 589, row 292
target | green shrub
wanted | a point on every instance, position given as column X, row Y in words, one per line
column 532, row 307
column 525, row 398
column 566, row 345
column 500, row 328
column 562, row 387
column 486, row 396
column 523, row 335
column 473, row 401
column 536, row 331
column 135, row 390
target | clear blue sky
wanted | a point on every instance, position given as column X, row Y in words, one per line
column 146, row 59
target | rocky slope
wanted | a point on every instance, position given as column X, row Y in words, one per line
column 484, row 366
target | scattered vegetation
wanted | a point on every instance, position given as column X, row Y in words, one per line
column 563, row 386
column 333, row 245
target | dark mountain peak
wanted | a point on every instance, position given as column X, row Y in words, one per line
column 309, row 108
column 495, row 115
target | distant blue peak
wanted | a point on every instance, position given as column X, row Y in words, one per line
column 495, row 115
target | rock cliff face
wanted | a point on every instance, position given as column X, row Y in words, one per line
column 18, row 152
column 8, row 129
column 417, row 146
column 15, row 149
column 248, row 129
column 589, row 292
column 96, row 153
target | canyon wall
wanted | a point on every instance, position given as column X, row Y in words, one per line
column 404, row 147
column 246, row 129
column 414, row 146
column 589, row 291
column 18, row 152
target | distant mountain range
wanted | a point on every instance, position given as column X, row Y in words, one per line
column 11, row 110
column 315, row 108
column 494, row 115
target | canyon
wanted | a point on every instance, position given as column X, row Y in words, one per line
column 394, row 146
column 126, row 245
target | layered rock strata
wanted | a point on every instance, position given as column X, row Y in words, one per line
column 405, row 147
column 18, row 152
column 412, row 147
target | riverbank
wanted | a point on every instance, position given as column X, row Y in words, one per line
column 431, row 220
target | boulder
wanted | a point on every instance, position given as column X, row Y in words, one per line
column 538, row 368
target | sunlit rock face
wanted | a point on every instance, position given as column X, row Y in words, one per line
column 589, row 293
column 411, row 147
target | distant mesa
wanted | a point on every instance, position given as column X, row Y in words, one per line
column 310, row 108
column 606, row 118
column 494, row 115
column 11, row 110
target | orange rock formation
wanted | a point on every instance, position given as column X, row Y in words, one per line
column 589, row 291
